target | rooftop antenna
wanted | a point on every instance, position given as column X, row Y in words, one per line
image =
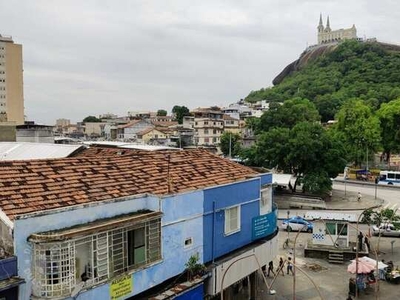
column 168, row 175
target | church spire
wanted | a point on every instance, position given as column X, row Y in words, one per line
column 328, row 27
column 320, row 26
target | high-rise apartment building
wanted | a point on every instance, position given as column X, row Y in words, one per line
column 11, row 81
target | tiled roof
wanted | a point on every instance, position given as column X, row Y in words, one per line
column 164, row 123
column 37, row 185
column 145, row 131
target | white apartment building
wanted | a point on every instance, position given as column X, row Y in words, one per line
column 208, row 126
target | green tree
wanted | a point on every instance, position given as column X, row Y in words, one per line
column 179, row 112
column 91, row 119
column 360, row 127
column 289, row 114
column 389, row 116
column 271, row 150
column 161, row 112
column 307, row 150
column 231, row 144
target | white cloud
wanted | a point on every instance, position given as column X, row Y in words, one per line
column 91, row 57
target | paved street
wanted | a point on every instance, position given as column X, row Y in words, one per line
column 331, row 280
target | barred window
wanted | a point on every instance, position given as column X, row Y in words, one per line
column 59, row 267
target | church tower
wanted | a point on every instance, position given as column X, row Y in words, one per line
column 320, row 26
column 328, row 27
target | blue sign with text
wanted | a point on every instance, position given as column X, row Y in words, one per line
column 263, row 225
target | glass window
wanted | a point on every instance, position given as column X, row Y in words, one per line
column 265, row 201
column 232, row 219
column 331, row 228
column 342, row 229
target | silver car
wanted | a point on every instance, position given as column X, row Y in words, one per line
column 385, row 229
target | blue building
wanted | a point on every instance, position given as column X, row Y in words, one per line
column 112, row 224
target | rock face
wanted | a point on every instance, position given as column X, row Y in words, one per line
column 313, row 53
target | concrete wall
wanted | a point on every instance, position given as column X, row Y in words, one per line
column 35, row 135
column 8, row 132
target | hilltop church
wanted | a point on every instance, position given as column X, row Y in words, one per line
column 327, row 35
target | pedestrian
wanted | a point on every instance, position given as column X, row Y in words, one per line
column 359, row 197
column 289, row 266
column 366, row 242
column 280, row 267
column 360, row 241
column 271, row 268
column 382, row 272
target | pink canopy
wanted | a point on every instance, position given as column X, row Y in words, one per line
column 363, row 267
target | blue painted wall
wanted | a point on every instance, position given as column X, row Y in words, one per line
column 244, row 193
column 196, row 293
column 247, row 194
column 266, row 178
column 182, row 219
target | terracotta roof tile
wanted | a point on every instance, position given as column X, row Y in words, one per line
column 35, row 185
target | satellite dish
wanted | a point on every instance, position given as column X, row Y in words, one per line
column 76, row 290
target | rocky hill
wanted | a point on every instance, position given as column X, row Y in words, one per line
column 315, row 52
column 328, row 75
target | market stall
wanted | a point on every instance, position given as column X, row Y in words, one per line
column 365, row 277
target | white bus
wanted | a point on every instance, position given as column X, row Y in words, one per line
column 389, row 177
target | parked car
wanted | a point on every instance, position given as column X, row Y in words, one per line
column 296, row 224
column 385, row 229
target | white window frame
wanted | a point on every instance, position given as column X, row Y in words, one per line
column 229, row 229
column 265, row 201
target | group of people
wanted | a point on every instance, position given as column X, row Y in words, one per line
column 279, row 269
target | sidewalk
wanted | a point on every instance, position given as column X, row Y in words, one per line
column 338, row 202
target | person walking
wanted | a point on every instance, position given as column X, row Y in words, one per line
column 359, row 197
column 271, row 268
column 366, row 242
column 289, row 267
column 280, row 267
column 360, row 241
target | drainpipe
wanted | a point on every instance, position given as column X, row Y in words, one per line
column 213, row 233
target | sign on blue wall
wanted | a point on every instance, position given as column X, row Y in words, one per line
column 263, row 225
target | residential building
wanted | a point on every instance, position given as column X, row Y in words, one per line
column 188, row 122
column 208, row 126
column 11, row 81
column 138, row 115
column 231, row 124
column 116, row 225
column 156, row 135
column 35, row 133
column 128, row 132
column 94, row 129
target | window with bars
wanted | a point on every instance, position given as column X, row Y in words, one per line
column 59, row 267
column 232, row 220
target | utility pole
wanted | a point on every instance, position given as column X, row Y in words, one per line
column 230, row 144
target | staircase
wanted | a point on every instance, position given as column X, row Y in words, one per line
column 335, row 257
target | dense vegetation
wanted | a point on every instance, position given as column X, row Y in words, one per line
column 353, row 70
column 358, row 85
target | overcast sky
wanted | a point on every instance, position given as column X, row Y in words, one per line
column 92, row 57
